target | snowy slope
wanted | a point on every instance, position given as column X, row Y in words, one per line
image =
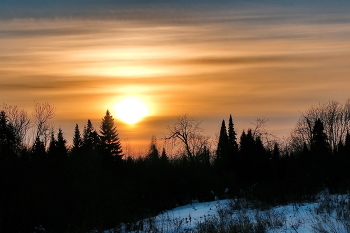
column 323, row 215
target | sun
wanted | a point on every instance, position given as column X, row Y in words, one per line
column 131, row 110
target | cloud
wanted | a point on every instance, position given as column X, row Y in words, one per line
column 248, row 60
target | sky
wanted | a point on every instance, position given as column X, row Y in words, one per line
column 202, row 58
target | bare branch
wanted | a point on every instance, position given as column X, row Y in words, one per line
column 18, row 119
column 187, row 132
column 43, row 113
column 335, row 118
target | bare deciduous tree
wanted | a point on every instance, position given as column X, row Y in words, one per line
column 259, row 130
column 19, row 119
column 43, row 113
column 335, row 118
column 188, row 133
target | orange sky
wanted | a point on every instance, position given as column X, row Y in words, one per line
column 207, row 65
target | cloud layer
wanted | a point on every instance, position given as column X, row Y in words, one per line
column 206, row 60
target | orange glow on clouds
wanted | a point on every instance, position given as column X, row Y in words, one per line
column 209, row 67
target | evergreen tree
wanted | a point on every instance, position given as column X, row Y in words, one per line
column 77, row 141
column 91, row 139
column 232, row 139
column 259, row 149
column 319, row 141
column 222, row 152
column 247, row 144
column 38, row 150
column 52, row 151
column 164, row 157
column 110, row 143
column 88, row 129
column 62, row 151
column 8, row 141
column 153, row 154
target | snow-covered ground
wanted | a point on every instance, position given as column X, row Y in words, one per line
column 329, row 213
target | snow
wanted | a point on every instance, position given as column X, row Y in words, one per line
column 295, row 217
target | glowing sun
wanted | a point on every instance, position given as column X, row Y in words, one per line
column 131, row 110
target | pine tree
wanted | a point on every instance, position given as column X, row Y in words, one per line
column 222, row 151
column 8, row 141
column 319, row 142
column 232, row 139
column 153, row 154
column 62, row 151
column 77, row 141
column 110, row 143
column 91, row 140
column 247, row 144
column 38, row 151
column 87, row 136
column 259, row 149
column 52, row 151
column 164, row 157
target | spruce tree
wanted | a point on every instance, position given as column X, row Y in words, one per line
column 153, row 154
column 232, row 139
column 9, row 142
column 38, row 151
column 164, row 157
column 319, row 142
column 110, row 143
column 87, row 136
column 77, row 141
column 247, row 144
column 52, row 151
column 62, row 151
column 222, row 151
column 91, row 140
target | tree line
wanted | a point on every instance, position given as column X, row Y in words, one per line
column 93, row 185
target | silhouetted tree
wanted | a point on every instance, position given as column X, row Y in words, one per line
column 259, row 149
column 77, row 141
column 232, row 139
column 276, row 152
column 319, row 142
column 42, row 114
column 52, row 151
column 8, row 140
column 247, row 144
column 223, row 148
column 57, row 148
column 335, row 118
column 38, row 151
column 153, row 153
column 204, row 157
column 188, row 132
column 110, row 143
column 164, row 158
column 306, row 157
column 61, row 145
column 274, row 161
column 90, row 138
column 19, row 120
column 347, row 145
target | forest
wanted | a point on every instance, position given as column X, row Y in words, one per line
column 90, row 184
